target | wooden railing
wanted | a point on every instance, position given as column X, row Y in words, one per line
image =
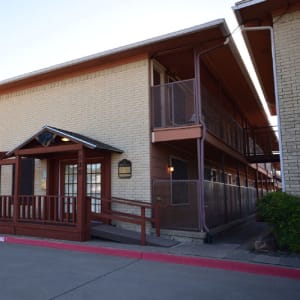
column 138, row 217
column 6, row 208
column 47, row 209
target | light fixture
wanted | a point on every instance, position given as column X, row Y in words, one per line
column 170, row 169
column 65, row 139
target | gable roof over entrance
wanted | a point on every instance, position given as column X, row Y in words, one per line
column 49, row 135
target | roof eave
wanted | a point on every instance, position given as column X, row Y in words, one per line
column 115, row 51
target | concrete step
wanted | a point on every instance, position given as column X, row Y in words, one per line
column 112, row 233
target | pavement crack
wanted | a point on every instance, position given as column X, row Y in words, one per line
column 94, row 279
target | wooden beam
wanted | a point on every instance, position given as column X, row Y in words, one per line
column 8, row 162
column 176, row 133
column 17, row 188
column 224, row 148
column 82, row 214
column 45, row 150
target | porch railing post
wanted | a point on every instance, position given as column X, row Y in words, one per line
column 17, row 189
column 143, row 226
column 81, row 195
column 157, row 223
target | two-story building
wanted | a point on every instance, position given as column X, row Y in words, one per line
column 169, row 121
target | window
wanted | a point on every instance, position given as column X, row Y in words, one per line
column 213, row 175
column 70, row 183
column 70, row 186
column 210, row 174
column 93, row 186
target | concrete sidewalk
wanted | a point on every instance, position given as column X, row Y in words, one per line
column 228, row 248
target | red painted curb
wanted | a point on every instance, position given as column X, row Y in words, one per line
column 74, row 247
column 165, row 258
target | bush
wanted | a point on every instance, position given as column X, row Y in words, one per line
column 282, row 212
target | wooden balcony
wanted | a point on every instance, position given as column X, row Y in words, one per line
column 174, row 112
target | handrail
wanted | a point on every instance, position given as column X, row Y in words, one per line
column 131, row 217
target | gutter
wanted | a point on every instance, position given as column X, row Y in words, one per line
column 270, row 28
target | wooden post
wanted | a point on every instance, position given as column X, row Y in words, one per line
column 81, row 195
column 17, row 190
column 157, row 223
column 143, row 226
column 240, row 190
column 106, row 184
column 247, row 185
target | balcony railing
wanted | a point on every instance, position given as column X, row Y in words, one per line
column 220, row 124
column 57, row 210
column 173, row 104
column 178, row 200
column 262, row 143
column 224, row 203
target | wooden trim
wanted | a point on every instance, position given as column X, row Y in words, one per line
column 176, row 133
column 68, row 72
column 71, row 233
column 45, row 150
column 224, row 148
column 8, row 162
column 290, row 8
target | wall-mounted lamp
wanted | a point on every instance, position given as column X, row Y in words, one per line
column 65, row 139
column 170, row 169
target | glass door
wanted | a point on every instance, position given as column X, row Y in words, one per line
column 69, row 186
column 93, row 185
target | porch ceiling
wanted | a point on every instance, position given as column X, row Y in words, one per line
column 226, row 65
column 50, row 139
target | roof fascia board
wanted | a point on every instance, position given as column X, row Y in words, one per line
column 241, row 5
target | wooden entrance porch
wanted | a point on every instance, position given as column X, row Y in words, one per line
column 63, row 209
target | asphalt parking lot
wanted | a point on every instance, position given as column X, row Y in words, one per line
column 30, row 272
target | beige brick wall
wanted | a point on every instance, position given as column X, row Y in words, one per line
column 110, row 105
column 6, row 184
column 287, row 44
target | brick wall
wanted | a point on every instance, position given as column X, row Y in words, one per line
column 287, row 43
column 110, row 105
column 6, row 184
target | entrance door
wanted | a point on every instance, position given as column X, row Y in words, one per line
column 179, row 182
column 93, row 183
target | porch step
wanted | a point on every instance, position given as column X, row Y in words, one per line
column 112, row 233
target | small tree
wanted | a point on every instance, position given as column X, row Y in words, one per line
column 282, row 212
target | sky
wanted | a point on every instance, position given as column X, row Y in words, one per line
column 40, row 33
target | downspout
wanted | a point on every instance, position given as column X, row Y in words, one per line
column 200, row 144
column 270, row 28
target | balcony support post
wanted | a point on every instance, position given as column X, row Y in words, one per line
column 17, row 177
column 200, row 144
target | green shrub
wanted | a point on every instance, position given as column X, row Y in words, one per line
column 282, row 212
